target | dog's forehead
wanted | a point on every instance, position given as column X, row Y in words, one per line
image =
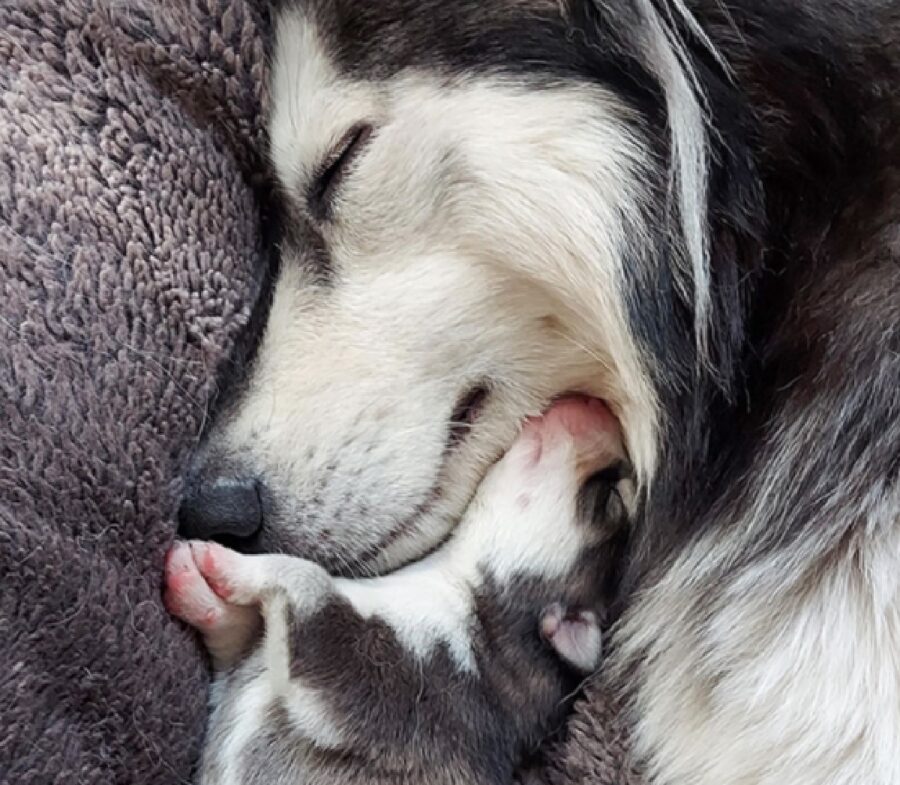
column 378, row 39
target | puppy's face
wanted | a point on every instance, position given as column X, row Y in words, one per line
column 453, row 260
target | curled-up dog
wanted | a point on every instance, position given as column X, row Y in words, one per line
column 448, row 671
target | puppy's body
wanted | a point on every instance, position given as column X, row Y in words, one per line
column 448, row 672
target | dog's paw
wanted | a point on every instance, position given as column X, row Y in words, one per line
column 574, row 635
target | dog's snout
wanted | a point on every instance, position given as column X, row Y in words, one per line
column 223, row 507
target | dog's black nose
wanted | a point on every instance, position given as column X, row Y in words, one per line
column 225, row 507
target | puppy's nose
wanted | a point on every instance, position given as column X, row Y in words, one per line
column 226, row 507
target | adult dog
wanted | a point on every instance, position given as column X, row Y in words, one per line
column 688, row 208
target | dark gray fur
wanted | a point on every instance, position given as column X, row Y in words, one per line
column 805, row 220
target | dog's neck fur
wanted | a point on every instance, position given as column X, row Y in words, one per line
column 797, row 191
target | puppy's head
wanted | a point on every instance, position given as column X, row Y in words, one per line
column 463, row 186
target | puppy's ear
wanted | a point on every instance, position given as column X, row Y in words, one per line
column 574, row 635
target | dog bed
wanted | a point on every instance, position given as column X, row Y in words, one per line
column 131, row 173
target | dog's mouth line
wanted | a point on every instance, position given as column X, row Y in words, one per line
column 463, row 418
column 466, row 413
column 364, row 563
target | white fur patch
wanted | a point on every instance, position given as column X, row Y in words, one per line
column 425, row 604
column 789, row 675
column 249, row 714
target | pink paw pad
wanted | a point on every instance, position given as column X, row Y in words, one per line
column 187, row 594
column 217, row 565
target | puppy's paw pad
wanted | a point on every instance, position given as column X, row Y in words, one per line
column 227, row 572
column 187, row 594
column 181, row 573
column 574, row 635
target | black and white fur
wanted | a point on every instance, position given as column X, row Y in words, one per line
column 450, row 671
column 688, row 208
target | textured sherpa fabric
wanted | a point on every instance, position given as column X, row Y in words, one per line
column 595, row 749
column 128, row 243
column 131, row 151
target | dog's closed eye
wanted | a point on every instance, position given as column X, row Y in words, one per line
column 335, row 167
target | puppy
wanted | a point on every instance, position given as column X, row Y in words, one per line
column 449, row 671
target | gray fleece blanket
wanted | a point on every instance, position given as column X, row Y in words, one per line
column 131, row 155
